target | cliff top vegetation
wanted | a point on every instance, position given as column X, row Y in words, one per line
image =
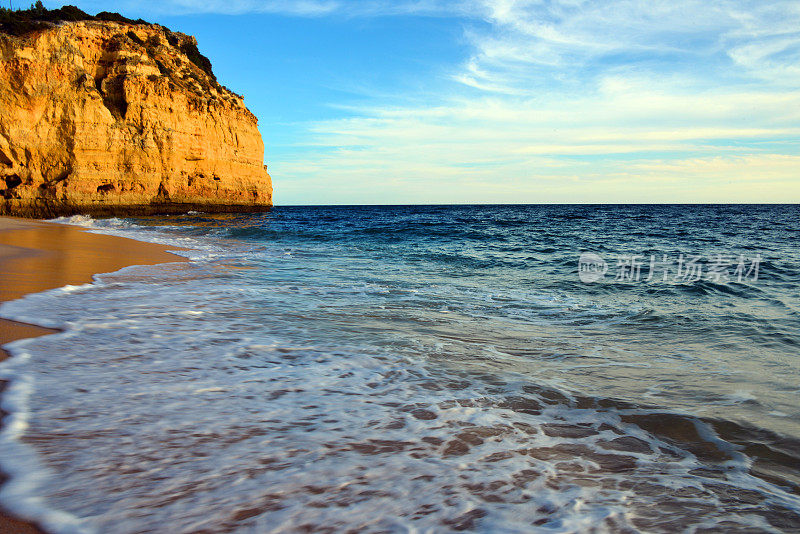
column 19, row 22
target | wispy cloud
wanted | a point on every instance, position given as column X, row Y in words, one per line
column 607, row 146
column 564, row 100
column 576, row 100
column 531, row 41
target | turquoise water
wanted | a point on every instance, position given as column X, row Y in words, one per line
column 420, row 368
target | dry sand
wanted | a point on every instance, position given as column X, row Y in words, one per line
column 36, row 256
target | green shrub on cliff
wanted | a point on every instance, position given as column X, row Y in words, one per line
column 194, row 55
column 191, row 51
column 37, row 17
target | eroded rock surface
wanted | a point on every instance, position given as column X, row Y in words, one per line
column 112, row 118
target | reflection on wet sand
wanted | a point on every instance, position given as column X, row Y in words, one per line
column 36, row 256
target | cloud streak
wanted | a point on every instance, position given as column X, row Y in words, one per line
column 531, row 42
column 619, row 145
column 582, row 101
column 564, row 100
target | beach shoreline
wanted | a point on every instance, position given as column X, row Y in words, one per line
column 37, row 256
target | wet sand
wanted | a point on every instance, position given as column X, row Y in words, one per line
column 36, row 256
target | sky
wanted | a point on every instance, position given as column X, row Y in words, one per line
column 509, row 101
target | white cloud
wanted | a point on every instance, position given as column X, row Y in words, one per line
column 518, row 44
column 585, row 101
column 531, row 41
column 628, row 142
column 566, row 100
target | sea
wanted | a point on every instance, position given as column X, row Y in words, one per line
column 508, row 368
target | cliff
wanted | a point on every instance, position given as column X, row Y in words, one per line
column 106, row 117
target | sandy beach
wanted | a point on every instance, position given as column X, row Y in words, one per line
column 36, row 256
column 443, row 365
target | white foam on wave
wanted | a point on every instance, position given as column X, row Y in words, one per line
column 196, row 249
column 211, row 390
column 71, row 288
column 19, row 461
column 743, row 396
column 255, row 415
column 25, row 470
column 197, row 399
column 87, row 221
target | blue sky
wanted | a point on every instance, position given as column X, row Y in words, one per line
column 495, row 101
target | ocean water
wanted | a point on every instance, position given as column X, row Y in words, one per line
column 420, row 369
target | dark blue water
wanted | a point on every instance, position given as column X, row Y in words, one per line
column 423, row 368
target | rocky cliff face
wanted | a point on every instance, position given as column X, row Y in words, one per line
column 115, row 118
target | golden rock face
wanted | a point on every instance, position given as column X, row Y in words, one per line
column 109, row 118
